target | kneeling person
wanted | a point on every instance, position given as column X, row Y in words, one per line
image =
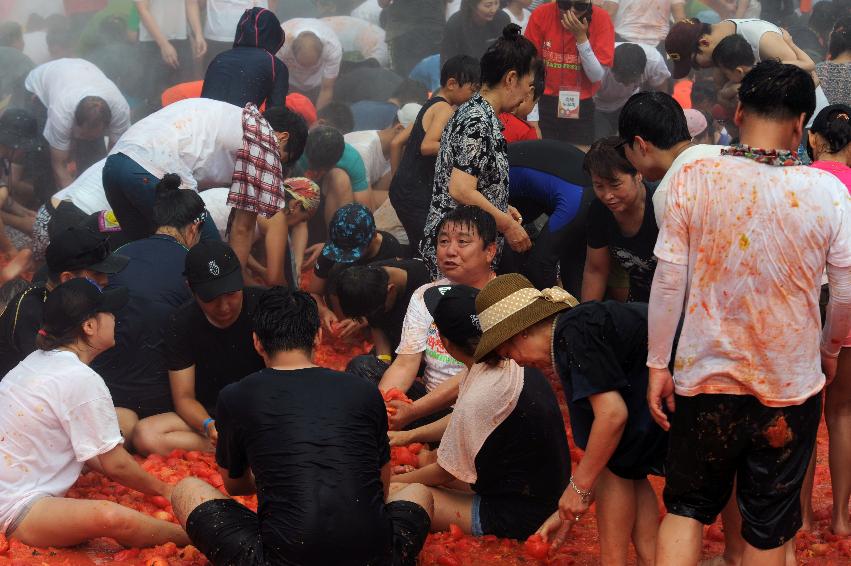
column 312, row 443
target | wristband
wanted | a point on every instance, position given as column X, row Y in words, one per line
column 584, row 495
column 206, row 425
column 384, row 358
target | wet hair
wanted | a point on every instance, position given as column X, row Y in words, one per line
column 174, row 207
column 338, row 115
column 10, row 33
column 282, row 119
column 471, row 217
column 840, row 37
column 778, row 91
column 605, row 158
column 733, row 51
column 463, row 68
column 539, row 72
column 286, row 320
column 93, row 110
column 409, row 91
column 836, row 130
column 654, row 116
column 511, row 52
column 324, row 148
column 361, row 290
column 630, row 60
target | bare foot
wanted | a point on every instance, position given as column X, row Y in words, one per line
column 16, row 265
column 840, row 525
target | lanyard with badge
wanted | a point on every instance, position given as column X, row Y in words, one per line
column 570, row 90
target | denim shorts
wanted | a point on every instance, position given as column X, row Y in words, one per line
column 475, row 519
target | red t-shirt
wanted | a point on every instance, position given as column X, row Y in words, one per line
column 557, row 47
column 516, row 129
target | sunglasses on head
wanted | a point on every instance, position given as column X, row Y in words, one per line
column 578, row 6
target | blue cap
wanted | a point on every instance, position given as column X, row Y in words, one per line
column 351, row 231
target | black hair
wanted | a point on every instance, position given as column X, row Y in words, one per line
column 836, row 130
column 710, row 127
column 469, row 216
column 174, row 207
column 823, row 17
column 282, row 119
column 324, row 148
column 539, row 72
column 286, row 320
column 362, row 290
column 733, row 51
column 840, row 37
column 93, row 110
column 778, row 91
column 338, row 115
column 463, row 68
column 605, row 158
column 408, row 91
column 10, row 33
column 11, row 289
column 656, row 117
column 630, row 60
column 511, row 52
column 47, row 341
column 703, row 91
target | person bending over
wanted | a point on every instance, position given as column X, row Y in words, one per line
column 319, row 462
column 61, row 417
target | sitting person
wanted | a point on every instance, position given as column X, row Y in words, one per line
column 319, row 462
column 61, row 417
column 353, row 241
column 505, row 436
column 380, row 293
column 75, row 252
column 598, row 350
column 135, row 369
column 207, row 346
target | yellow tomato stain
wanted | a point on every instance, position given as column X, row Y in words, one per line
column 744, row 242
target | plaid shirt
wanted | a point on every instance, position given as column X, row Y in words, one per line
column 258, row 177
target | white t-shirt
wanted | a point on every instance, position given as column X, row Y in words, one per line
column 753, row 30
column 756, row 239
column 613, row 95
column 86, row 192
column 223, row 17
column 196, row 138
column 57, row 414
column 368, row 145
column 358, row 36
column 61, row 84
column 170, row 16
column 693, row 153
column 520, row 22
column 216, row 203
column 369, row 11
column 328, row 67
column 644, row 21
column 419, row 334
column 451, row 7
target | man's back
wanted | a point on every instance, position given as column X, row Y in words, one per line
column 756, row 239
column 315, row 440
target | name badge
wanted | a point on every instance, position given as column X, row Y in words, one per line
column 568, row 104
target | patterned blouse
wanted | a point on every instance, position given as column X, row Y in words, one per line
column 473, row 143
column 835, row 81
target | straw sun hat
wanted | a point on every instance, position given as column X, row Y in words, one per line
column 510, row 304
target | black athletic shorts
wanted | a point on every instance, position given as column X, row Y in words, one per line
column 718, row 439
column 228, row 533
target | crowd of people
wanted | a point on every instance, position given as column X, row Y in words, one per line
column 646, row 200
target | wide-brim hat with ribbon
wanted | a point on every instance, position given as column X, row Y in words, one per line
column 510, row 304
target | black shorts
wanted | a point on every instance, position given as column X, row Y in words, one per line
column 228, row 533
column 718, row 439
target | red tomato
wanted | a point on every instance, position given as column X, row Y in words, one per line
column 157, row 561
column 535, row 547
column 448, row 560
column 127, row 554
column 4, row 545
column 160, row 501
column 455, row 531
column 415, row 447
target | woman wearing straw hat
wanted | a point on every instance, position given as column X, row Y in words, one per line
column 598, row 350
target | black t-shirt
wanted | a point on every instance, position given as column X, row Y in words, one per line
column 390, row 249
column 463, row 37
column 316, row 441
column 601, row 347
column 524, row 465
column 390, row 323
column 221, row 356
column 634, row 254
column 19, row 327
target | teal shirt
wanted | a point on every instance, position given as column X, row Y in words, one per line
column 351, row 162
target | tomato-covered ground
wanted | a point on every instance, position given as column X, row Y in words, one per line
column 441, row 549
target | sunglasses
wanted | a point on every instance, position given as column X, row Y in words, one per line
column 578, row 6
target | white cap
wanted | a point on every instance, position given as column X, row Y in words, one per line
column 696, row 122
column 408, row 113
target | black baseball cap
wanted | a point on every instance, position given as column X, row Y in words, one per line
column 453, row 308
column 78, row 247
column 212, row 269
column 71, row 303
column 18, row 130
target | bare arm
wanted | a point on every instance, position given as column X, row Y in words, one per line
column 610, row 414
column 774, row 46
column 431, row 432
column 381, row 343
column 326, row 93
column 386, row 475
column 276, row 248
column 397, row 148
column 193, row 16
column 596, row 274
column 439, row 398
column 441, row 114
column 243, row 485
column 402, row 372
column 167, row 50
column 120, row 466
column 431, row 475
column 59, row 161
column 242, row 235
column 186, row 405
column 298, row 243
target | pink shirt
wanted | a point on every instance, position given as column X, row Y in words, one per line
column 839, row 170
